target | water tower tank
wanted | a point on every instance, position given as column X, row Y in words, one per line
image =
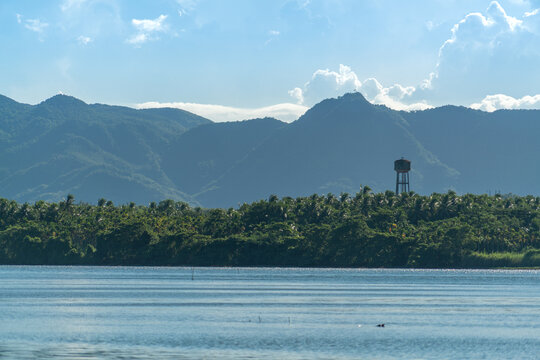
column 402, row 165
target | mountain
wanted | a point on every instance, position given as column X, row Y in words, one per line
column 334, row 147
column 202, row 155
column 493, row 152
column 64, row 145
column 342, row 143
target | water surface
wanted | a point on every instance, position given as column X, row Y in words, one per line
column 246, row 313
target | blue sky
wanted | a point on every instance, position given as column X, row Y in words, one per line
column 231, row 60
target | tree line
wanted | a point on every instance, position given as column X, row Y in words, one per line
column 362, row 230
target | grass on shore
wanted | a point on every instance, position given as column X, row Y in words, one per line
column 511, row 260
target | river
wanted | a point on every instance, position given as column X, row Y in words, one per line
column 49, row 312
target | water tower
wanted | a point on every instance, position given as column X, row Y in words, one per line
column 402, row 167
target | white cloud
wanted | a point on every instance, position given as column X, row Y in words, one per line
column 531, row 21
column 486, row 53
column 326, row 84
column 392, row 96
column 490, row 52
column 138, row 39
column 531, row 13
column 35, row 25
column 371, row 88
column 147, row 25
column 147, row 28
column 84, row 40
column 273, row 32
column 477, row 30
column 500, row 101
column 219, row 113
column 298, row 94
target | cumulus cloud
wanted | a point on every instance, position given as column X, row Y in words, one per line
column 479, row 30
column 327, row 83
column 486, row 53
column 286, row 112
column 396, row 97
column 150, row 25
column 147, row 29
column 298, row 94
column 490, row 52
column 500, row 101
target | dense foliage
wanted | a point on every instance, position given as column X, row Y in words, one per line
column 365, row 230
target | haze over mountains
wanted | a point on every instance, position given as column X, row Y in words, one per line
column 63, row 145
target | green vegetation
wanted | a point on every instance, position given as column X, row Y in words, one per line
column 64, row 145
column 364, row 230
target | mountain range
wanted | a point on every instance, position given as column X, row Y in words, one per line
column 64, row 145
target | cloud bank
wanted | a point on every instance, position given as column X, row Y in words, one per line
column 285, row 112
column 500, row 101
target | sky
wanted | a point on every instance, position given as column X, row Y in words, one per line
column 239, row 59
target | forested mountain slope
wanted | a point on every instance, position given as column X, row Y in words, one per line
column 199, row 157
column 336, row 146
column 493, row 152
column 63, row 145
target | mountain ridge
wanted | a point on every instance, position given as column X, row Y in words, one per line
column 64, row 145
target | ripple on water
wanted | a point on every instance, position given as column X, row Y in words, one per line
column 142, row 313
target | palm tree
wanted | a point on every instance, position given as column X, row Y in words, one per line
column 366, row 190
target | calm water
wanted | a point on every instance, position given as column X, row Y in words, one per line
column 147, row 313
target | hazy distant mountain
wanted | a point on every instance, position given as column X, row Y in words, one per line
column 336, row 146
column 66, row 146
column 63, row 145
column 342, row 143
column 201, row 156
column 493, row 152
